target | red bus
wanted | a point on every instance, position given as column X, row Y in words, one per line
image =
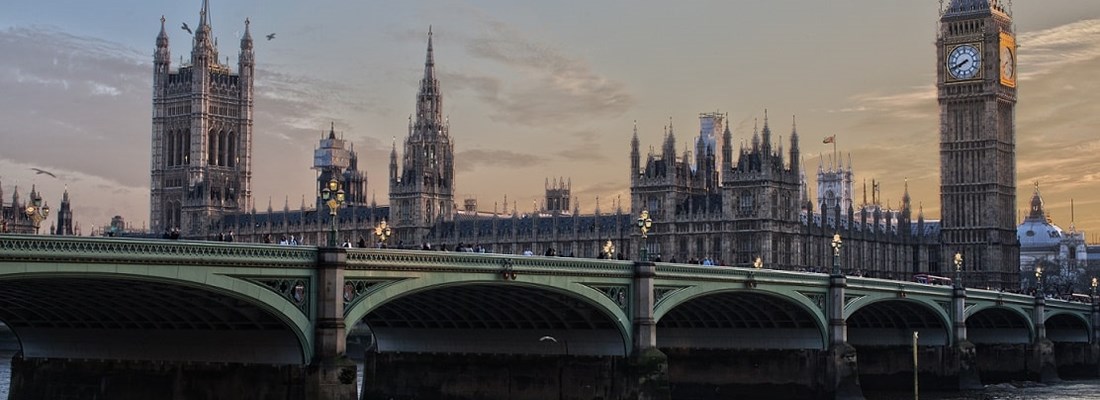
column 932, row 279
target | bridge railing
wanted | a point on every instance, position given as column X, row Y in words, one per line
column 387, row 259
column 152, row 251
column 739, row 274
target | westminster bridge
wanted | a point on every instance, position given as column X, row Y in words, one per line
column 124, row 318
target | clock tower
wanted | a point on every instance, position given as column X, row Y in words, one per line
column 976, row 82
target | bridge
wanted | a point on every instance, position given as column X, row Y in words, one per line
column 87, row 311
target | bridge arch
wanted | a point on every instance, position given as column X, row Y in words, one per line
column 470, row 313
column 161, row 312
column 1067, row 327
column 879, row 320
column 717, row 316
column 990, row 323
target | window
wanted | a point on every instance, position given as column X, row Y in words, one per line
column 746, row 203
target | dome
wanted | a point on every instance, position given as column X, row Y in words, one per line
column 1036, row 231
column 1038, row 234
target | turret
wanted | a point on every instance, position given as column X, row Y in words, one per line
column 795, row 154
column 635, row 156
column 727, row 150
column 767, row 136
column 393, row 162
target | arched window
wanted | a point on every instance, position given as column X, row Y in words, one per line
column 222, row 149
column 170, row 149
column 746, row 202
column 231, row 159
column 212, row 148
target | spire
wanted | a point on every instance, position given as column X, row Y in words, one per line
column 766, row 135
column 429, row 102
column 429, row 61
column 162, row 37
column 332, row 130
column 1037, row 205
column 202, row 14
column 246, row 40
column 755, row 136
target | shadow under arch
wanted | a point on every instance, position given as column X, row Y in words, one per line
column 999, row 325
column 133, row 317
column 739, row 319
column 891, row 322
column 493, row 317
column 1067, row 327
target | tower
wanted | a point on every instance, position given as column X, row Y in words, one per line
column 64, row 216
column 202, row 133
column 976, row 82
column 422, row 193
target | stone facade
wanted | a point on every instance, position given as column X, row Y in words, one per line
column 202, row 134
column 976, row 82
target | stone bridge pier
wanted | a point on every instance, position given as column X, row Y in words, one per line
column 139, row 319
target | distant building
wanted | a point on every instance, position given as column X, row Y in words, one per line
column 714, row 204
column 1062, row 255
column 202, row 133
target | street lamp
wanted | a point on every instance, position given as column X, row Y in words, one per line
column 1038, row 281
column 837, row 244
column 382, row 231
column 609, row 249
column 1093, row 287
column 36, row 211
column 958, row 269
column 333, row 195
column 758, row 263
column 644, row 225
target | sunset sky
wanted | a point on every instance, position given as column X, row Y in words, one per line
column 537, row 90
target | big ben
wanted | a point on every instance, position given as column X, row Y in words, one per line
column 976, row 82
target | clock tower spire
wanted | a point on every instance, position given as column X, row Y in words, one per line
column 976, row 83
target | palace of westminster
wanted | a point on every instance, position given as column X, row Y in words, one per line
column 734, row 206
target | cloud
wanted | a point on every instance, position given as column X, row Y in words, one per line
column 469, row 160
column 586, row 148
column 1046, row 50
column 79, row 106
column 548, row 87
column 1056, row 124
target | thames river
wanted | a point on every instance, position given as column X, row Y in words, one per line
column 1083, row 390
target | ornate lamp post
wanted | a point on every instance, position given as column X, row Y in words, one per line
column 644, row 225
column 382, row 231
column 958, row 269
column 36, row 211
column 1038, row 281
column 1093, row 287
column 609, row 250
column 333, row 196
column 837, row 244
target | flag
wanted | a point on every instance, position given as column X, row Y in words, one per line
column 829, row 139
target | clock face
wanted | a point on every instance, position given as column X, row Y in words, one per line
column 1008, row 63
column 964, row 62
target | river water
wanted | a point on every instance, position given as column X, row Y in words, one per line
column 1075, row 390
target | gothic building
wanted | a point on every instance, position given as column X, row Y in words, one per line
column 202, row 133
column 422, row 189
column 976, row 82
column 13, row 217
column 712, row 201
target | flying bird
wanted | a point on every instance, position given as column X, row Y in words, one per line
column 186, row 28
column 39, row 171
column 270, row 36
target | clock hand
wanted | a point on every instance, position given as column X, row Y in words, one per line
column 960, row 64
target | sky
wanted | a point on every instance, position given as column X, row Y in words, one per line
column 536, row 90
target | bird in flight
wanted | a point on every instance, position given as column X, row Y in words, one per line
column 270, row 36
column 186, row 28
column 39, row 171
